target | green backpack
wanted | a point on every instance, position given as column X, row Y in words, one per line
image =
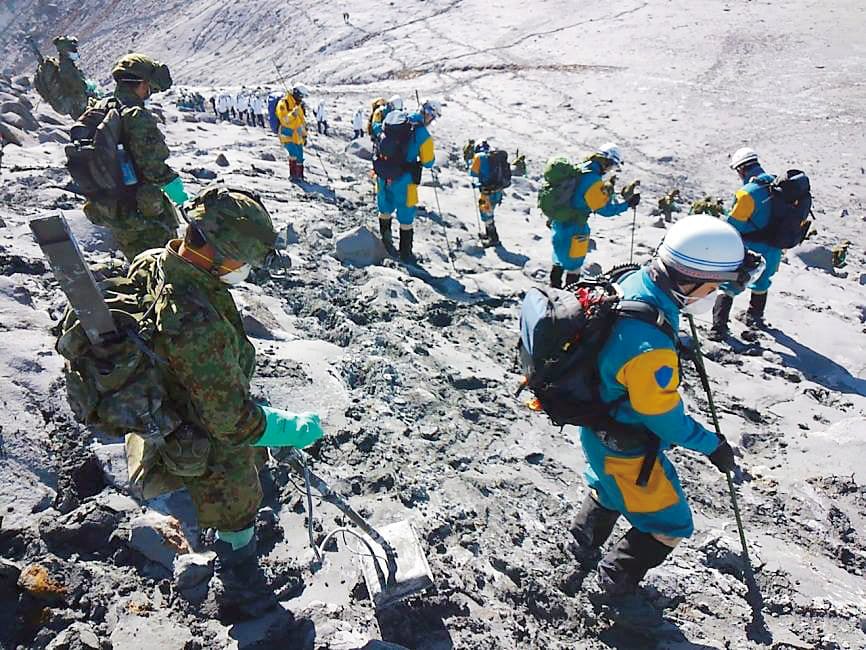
column 117, row 387
column 554, row 198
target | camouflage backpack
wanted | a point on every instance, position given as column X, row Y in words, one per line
column 117, row 387
column 49, row 86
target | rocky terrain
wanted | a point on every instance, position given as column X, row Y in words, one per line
column 413, row 369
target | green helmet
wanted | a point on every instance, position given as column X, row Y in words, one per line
column 235, row 222
column 66, row 44
column 140, row 67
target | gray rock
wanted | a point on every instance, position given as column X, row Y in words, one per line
column 382, row 645
column 9, row 571
column 324, row 230
column 155, row 631
column 222, row 161
column 112, row 459
column 192, row 569
column 287, row 236
column 267, row 155
column 360, row 148
column 53, row 135
column 86, row 529
column 360, row 247
column 12, row 134
column 49, row 118
column 78, row 636
column 202, row 172
column 159, row 538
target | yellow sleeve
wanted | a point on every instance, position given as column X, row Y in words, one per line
column 426, row 152
column 744, row 206
column 476, row 165
column 282, row 112
column 595, row 197
column 652, row 379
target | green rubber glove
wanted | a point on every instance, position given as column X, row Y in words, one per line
column 175, row 192
column 285, row 429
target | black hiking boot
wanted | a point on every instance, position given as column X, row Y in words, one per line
column 721, row 314
column 406, row 237
column 571, row 278
column 239, row 588
column 490, row 237
column 754, row 315
column 616, row 591
column 385, row 234
column 556, row 273
column 590, row 527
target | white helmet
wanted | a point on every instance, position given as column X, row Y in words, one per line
column 395, row 117
column 432, row 107
column 743, row 156
column 300, row 91
column 396, row 102
column 610, row 150
column 703, row 248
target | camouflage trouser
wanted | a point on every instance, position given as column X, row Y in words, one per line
column 133, row 240
column 227, row 496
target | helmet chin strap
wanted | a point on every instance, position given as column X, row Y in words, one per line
column 214, row 264
column 661, row 276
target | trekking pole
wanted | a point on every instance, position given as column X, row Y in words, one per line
column 325, row 169
column 442, row 218
column 477, row 209
column 705, row 382
column 631, row 248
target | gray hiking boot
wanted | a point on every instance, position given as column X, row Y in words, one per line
column 721, row 314
column 628, row 608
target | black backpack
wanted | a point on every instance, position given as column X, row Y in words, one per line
column 562, row 332
column 393, row 150
column 91, row 156
column 791, row 206
column 498, row 175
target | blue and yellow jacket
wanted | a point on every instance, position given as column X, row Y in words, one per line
column 752, row 206
column 421, row 146
column 639, row 361
column 293, row 122
column 479, row 166
column 590, row 195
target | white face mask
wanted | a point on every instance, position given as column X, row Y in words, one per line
column 701, row 305
column 74, row 56
column 237, row 276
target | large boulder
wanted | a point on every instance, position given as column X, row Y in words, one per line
column 78, row 636
column 360, row 149
column 360, row 247
column 159, row 538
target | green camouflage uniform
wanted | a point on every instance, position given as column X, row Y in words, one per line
column 210, row 362
column 74, row 86
column 148, row 220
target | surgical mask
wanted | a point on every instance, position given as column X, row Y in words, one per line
column 700, row 306
column 74, row 56
column 237, row 276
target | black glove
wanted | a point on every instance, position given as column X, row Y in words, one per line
column 633, row 200
column 723, row 457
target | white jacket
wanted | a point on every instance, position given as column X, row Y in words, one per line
column 223, row 103
column 321, row 115
column 358, row 120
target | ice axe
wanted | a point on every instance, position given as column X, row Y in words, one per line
column 401, row 573
column 758, row 629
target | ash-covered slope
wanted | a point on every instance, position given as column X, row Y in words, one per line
column 414, row 371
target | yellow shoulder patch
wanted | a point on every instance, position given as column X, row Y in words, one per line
column 651, row 380
column 595, row 197
column 744, row 206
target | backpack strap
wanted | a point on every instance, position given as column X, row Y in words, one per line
column 650, row 314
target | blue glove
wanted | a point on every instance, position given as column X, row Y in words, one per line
column 175, row 192
column 285, row 429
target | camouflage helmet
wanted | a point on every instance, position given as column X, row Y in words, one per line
column 66, row 44
column 140, row 67
column 235, row 222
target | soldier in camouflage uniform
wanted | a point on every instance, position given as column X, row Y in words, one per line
column 209, row 364
column 76, row 89
column 147, row 220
